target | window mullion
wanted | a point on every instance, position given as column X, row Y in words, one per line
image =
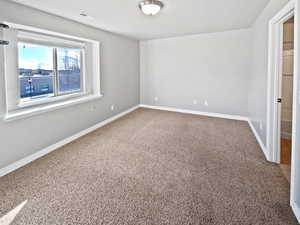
column 55, row 72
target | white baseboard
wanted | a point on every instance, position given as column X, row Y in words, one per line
column 262, row 146
column 30, row 158
column 219, row 115
column 210, row 114
column 296, row 210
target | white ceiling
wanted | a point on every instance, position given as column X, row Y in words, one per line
column 177, row 18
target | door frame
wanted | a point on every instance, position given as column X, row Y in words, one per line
column 275, row 53
column 274, row 79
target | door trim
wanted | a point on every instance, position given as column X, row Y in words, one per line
column 274, row 60
column 274, row 75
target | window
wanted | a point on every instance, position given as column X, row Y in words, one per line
column 36, row 70
column 48, row 71
column 68, row 70
column 44, row 70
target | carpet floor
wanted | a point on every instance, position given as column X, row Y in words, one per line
column 151, row 167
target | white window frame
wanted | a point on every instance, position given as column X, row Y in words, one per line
column 57, row 95
column 90, row 71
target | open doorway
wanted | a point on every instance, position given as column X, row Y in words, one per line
column 284, row 79
column 285, row 97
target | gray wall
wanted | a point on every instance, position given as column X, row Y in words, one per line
column 206, row 67
column 119, row 81
column 257, row 103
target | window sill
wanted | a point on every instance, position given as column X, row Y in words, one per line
column 28, row 112
column 50, row 100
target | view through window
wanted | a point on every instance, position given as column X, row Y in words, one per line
column 48, row 71
column 68, row 69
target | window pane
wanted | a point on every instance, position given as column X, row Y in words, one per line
column 35, row 70
column 68, row 69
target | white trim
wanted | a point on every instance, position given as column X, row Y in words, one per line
column 48, row 32
column 30, row 158
column 210, row 114
column 28, row 112
column 90, row 71
column 20, row 163
column 61, row 143
column 260, row 142
column 49, row 98
column 295, row 170
column 274, row 68
column 273, row 149
column 296, row 210
column 218, row 115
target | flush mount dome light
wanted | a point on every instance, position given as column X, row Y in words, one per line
column 150, row 7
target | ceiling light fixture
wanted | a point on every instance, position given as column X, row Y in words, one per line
column 151, row 7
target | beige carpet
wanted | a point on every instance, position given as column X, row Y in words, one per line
column 152, row 168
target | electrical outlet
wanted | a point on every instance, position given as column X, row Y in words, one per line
column 195, row 102
column 112, row 108
column 156, row 99
column 205, row 103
